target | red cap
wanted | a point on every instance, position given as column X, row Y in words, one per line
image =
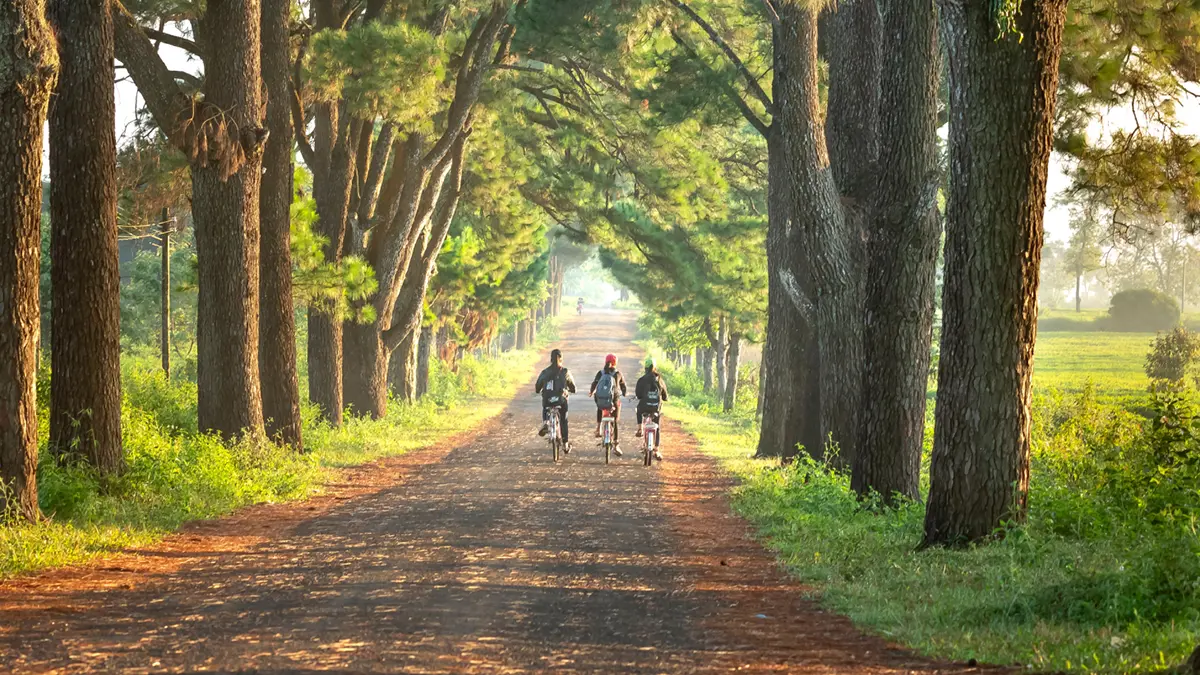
column 610, row 359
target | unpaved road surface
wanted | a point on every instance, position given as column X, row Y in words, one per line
column 476, row 556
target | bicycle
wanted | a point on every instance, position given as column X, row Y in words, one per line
column 649, row 437
column 606, row 433
column 554, row 436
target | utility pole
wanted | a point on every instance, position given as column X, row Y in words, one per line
column 165, row 239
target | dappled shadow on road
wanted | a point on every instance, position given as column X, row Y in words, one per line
column 493, row 559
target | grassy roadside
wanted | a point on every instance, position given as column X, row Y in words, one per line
column 1045, row 597
column 1103, row 577
column 175, row 475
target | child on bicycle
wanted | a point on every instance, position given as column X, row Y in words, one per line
column 554, row 384
column 651, row 393
column 604, row 391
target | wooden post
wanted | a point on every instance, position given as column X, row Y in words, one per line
column 165, row 239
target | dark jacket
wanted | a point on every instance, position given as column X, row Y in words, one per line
column 616, row 375
column 559, row 379
column 646, row 383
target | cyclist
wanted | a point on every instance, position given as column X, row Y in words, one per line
column 651, row 393
column 555, row 384
column 579, row 306
column 604, row 392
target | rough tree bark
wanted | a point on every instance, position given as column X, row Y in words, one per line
column 902, row 249
column 225, row 201
column 1002, row 98
column 222, row 137
column 277, row 321
column 85, row 335
column 721, row 351
column 402, row 370
column 832, row 176
column 733, row 361
column 706, row 368
column 424, row 347
column 791, row 399
column 28, row 69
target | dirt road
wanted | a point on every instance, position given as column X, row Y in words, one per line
column 476, row 556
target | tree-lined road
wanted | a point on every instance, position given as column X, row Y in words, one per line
column 482, row 557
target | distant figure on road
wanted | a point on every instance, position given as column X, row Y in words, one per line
column 555, row 384
column 579, row 306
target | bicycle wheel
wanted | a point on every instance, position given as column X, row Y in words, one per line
column 648, row 449
column 555, row 440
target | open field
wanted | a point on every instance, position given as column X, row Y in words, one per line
column 1111, row 362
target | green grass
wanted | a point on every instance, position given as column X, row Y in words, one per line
column 1052, row 595
column 175, row 474
column 1102, row 578
column 1112, row 363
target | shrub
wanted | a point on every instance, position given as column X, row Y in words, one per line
column 1173, row 355
column 1143, row 310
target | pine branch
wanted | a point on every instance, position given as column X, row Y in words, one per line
column 155, row 82
column 747, row 112
column 177, row 41
column 751, row 81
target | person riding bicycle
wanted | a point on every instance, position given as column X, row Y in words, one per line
column 651, row 393
column 579, row 306
column 555, row 384
column 604, row 392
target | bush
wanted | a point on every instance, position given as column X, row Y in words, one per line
column 1143, row 310
column 1173, row 356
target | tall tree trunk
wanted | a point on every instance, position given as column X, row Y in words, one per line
column 1001, row 121
column 225, row 201
column 791, row 397
column 424, row 347
column 903, row 249
column 762, row 383
column 832, row 179
column 1078, row 281
column 721, row 347
column 706, row 366
column 364, row 370
column 277, row 322
column 27, row 49
column 733, row 361
column 165, row 226
column 522, row 337
column 331, row 190
column 334, row 149
column 403, row 370
column 85, row 334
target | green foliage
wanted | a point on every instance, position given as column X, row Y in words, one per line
column 329, row 288
column 395, row 71
column 1133, row 61
column 1143, row 310
column 1173, row 356
column 1101, row 579
column 141, row 299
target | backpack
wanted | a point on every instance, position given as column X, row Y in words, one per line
column 606, row 390
column 652, row 395
column 555, row 388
